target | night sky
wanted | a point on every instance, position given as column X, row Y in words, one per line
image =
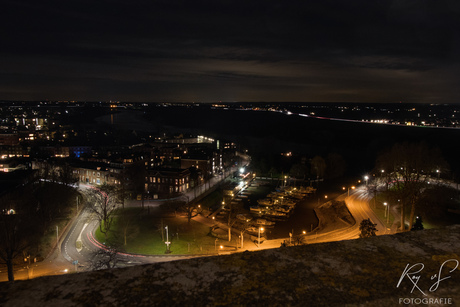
column 206, row 51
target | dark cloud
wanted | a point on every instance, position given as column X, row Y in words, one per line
column 239, row 50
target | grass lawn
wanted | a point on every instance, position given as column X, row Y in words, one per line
column 379, row 209
column 144, row 234
column 48, row 240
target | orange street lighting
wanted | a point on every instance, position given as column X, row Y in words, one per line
column 348, row 191
column 260, row 229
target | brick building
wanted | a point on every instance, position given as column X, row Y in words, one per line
column 167, row 181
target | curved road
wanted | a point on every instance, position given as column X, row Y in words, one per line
column 84, row 226
column 81, row 245
column 358, row 205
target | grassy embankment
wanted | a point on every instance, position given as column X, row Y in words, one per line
column 48, row 241
column 145, row 232
column 377, row 205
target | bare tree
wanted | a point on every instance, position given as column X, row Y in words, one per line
column 127, row 225
column 408, row 168
column 161, row 229
column 103, row 201
column 66, row 175
column 105, row 258
column 17, row 233
column 318, row 166
column 299, row 240
column 298, row 171
column 246, row 225
column 191, row 209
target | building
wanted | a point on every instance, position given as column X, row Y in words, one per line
column 65, row 151
column 167, row 181
column 208, row 163
column 14, row 151
column 9, row 139
column 96, row 173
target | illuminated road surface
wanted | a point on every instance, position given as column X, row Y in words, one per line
column 358, row 205
column 83, row 228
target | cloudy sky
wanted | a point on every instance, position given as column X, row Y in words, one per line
column 206, row 51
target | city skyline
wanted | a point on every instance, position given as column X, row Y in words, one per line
column 231, row 51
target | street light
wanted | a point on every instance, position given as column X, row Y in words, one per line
column 167, row 241
column 353, row 187
column 57, row 239
column 366, row 178
column 260, row 228
column 387, row 207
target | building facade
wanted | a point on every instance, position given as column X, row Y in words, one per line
column 167, row 181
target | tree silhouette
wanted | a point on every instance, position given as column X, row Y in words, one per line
column 367, row 229
column 106, row 258
column 318, row 166
column 103, row 202
column 191, row 209
column 18, row 231
column 408, row 167
column 299, row 240
column 418, row 225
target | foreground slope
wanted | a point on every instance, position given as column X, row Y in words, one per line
column 363, row 271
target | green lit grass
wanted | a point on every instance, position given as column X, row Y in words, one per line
column 379, row 209
column 144, row 235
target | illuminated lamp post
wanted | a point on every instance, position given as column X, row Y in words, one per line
column 387, row 215
column 167, row 241
column 353, row 187
column 258, row 242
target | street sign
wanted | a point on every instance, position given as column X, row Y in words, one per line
column 75, row 262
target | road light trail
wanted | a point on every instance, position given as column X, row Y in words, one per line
column 358, row 205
